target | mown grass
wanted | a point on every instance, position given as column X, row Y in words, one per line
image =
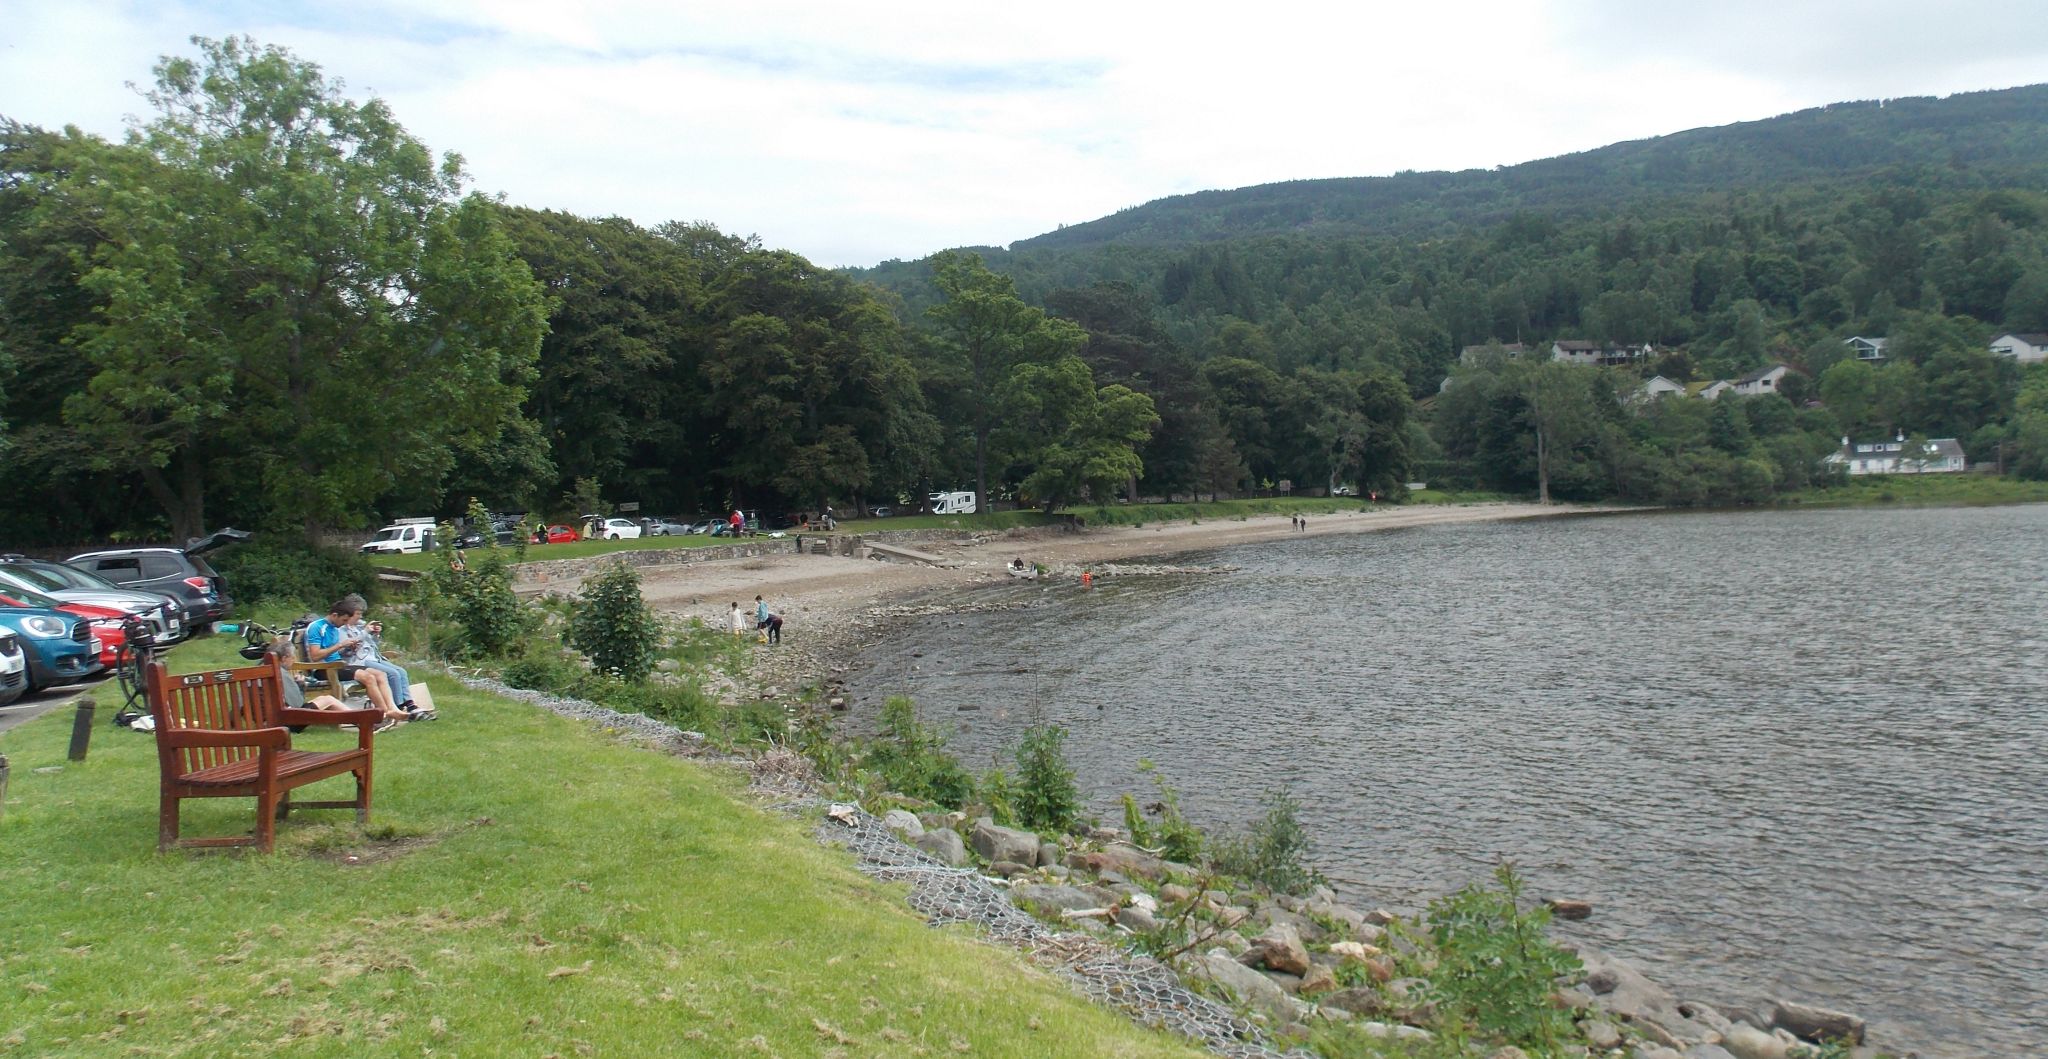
column 528, row 887
column 1922, row 490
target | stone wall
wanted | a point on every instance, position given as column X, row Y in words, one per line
column 546, row 571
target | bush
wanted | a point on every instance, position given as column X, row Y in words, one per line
column 613, row 626
column 1495, row 968
column 911, row 758
column 480, row 601
column 1046, row 797
column 545, row 672
column 1273, row 851
column 282, row 568
column 1173, row 836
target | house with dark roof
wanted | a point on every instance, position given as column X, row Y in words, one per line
column 1939, row 456
column 1600, row 354
column 1866, row 348
column 1762, row 380
column 2029, row 347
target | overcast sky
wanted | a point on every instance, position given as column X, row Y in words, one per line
column 857, row 132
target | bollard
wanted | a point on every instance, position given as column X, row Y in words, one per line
column 3, row 784
column 81, row 727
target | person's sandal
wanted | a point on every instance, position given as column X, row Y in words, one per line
column 387, row 724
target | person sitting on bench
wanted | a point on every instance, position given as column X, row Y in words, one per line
column 336, row 635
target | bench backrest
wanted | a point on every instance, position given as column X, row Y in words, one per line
column 223, row 699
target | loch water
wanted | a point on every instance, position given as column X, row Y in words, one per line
column 1797, row 754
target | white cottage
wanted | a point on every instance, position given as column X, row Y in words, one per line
column 1941, row 456
column 2029, row 347
column 1866, row 348
column 1761, row 381
column 1600, row 354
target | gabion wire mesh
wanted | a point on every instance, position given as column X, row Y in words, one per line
column 1142, row 988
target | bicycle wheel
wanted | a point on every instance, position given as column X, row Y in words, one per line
column 128, row 662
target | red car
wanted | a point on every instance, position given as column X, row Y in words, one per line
column 556, row 535
column 104, row 621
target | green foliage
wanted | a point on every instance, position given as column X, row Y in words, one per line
column 998, row 792
column 479, row 600
column 1495, row 969
column 1174, row 836
column 911, row 758
column 1047, row 799
column 544, row 670
column 612, row 624
column 1272, row 852
column 276, row 568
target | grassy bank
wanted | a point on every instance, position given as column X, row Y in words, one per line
column 1923, row 490
column 528, row 887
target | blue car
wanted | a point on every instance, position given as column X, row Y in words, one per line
column 60, row 647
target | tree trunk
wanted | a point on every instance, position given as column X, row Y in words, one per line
column 1542, row 468
column 981, row 473
column 183, row 500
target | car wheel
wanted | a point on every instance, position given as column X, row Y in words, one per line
column 612, row 537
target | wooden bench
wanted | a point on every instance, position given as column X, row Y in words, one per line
column 223, row 734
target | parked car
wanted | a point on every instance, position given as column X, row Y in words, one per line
column 13, row 667
column 173, row 571
column 881, row 512
column 58, row 647
column 666, row 527
column 104, row 624
column 407, row 536
column 598, row 527
column 556, row 534
column 473, row 537
column 166, row 616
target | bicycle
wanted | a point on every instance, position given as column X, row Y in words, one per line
column 138, row 646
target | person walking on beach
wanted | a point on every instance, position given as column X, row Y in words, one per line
column 737, row 620
column 761, row 616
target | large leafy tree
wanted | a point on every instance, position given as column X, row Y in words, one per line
column 986, row 333
column 292, row 288
column 1086, row 440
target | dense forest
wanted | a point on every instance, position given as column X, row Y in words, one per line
column 271, row 306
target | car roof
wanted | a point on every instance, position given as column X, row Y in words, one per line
column 124, row 551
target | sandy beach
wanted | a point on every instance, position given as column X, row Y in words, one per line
column 833, row 605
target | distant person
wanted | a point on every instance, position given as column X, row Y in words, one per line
column 737, row 619
column 761, row 617
column 774, row 628
column 738, row 522
column 334, row 638
column 369, row 654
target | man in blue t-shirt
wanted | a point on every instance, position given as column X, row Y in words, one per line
column 335, row 638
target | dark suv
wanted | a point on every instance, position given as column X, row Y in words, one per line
column 173, row 571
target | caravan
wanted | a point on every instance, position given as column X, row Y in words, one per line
column 957, row 503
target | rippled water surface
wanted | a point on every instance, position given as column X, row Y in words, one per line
column 1789, row 754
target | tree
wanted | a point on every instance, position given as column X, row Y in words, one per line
column 1561, row 410
column 1088, row 438
column 986, row 333
column 290, row 286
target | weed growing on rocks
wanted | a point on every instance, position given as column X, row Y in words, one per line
column 1174, row 836
column 1047, row 799
column 1273, row 851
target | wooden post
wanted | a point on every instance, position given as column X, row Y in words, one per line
column 81, row 727
column 3, row 784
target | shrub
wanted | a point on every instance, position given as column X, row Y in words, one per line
column 278, row 568
column 1495, row 968
column 544, row 672
column 911, row 758
column 1173, row 836
column 1273, row 851
column 479, row 599
column 1046, row 796
column 613, row 626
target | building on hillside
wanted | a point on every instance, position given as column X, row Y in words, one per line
column 1713, row 390
column 2028, row 348
column 1471, row 353
column 1600, row 354
column 1761, row 381
column 1866, row 348
column 1659, row 386
column 1940, row 456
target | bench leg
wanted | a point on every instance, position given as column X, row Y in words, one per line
column 363, row 795
column 166, row 823
column 284, row 806
column 266, row 821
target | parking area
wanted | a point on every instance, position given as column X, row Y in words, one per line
column 36, row 703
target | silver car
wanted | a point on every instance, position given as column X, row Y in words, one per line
column 166, row 616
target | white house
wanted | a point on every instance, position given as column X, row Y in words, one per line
column 1866, row 348
column 1714, row 390
column 1659, row 386
column 1941, row 456
column 2028, row 348
column 1599, row 354
column 1761, row 381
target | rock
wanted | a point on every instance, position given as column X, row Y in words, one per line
column 1124, row 860
column 1136, row 920
column 1233, row 942
column 1357, row 951
column 1508, row 1051
column 1705, row 1016
column 1048, row 853
column 1623, row 991
column 1232, row 915
column 1307, row 928
column 1330, row 1014
column 1174, row 893
column 1816, row 1025
column 1288, row 983
column 994, row 843
column 1008, row 869
column 1407, row 996
column 1748, row 1042
column 903, row 822
column 836, row 703
column 1051, row 900
column 1656, row 1051
column 1318, row 980
column 1242, row 984
column 1357, row 1000
column 943, row 844
column 1564, row 909
column 1057, row 871
column 1572, row 998
column 1707, row 1051
column 1601, row 1034
column 1387, row 1031
column 1379, row 917
column 1280, row 949
column 666, row 665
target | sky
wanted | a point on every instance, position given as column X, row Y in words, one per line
column 854, row 133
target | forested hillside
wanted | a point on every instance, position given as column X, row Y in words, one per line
column 273, row 307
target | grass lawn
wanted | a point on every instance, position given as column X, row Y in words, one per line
column 528, row 887
column 1922, row 490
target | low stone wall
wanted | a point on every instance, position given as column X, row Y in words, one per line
column 546, row 571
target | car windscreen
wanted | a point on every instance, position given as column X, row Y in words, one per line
column 23, row 596
column 35, row 578
column 73, row 577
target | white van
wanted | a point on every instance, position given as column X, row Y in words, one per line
column 404, row 537
column 959, row 503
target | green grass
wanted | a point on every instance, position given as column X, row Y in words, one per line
column 1923, row 490
column 528, row 887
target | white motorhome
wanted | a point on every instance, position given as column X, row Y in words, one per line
column 958, row 503
column 403, row 537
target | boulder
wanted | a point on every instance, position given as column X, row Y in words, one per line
column 1048, row 853
column 1233, row 942
column 994, row 842
column 1408, row 997
column 1508, row 1051
column 1601, row 1034
column 1136, row 919
column 1388, row 1031
column 1280, row 949
column 1317, row 981
column 903, row 822
column 1173, row 893
column 1127, row 861
column 1357, row 951
column 1817, row 1025
column 1008, row 869
column 1050, row 900
column 1707, row 1051
column 1357, row 1000
column 1241, row 983
column 1288, row 983
column 943, row 844
column 1379, row 917
column 1747, row 1042
column 1623, row 991
column 1272, row 915
column 1567, row 909
column 1655, row 1051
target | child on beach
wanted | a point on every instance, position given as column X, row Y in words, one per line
column 738, row 620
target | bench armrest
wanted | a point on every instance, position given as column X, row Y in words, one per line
column 309, row 717
column 261, row 738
